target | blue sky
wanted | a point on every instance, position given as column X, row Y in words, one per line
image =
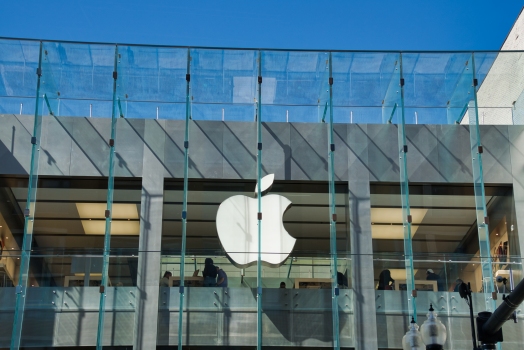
column 305, row 24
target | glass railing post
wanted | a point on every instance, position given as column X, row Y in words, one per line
column 29, row 215
column 480, row 199
column 332, row 214
column 108, row 213
column 259, row 203
column 184, row 203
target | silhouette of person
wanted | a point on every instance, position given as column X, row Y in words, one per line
column 164, row 281
column 432, row 276
column 383, row 280
column 209, row 273
column 458, row 282
column 221, row 277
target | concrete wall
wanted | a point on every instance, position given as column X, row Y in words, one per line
column 226, row 150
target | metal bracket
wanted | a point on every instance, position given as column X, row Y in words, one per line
column 111, row 142
column 186, row 144
column 26, row 212
column 337, row 291
column 39, row 71
column 480, row 149
column 259, row 146
column 188, row 77
column 414, row 293
column 330, row 80
column 102, row 289
column 181, row 289
column 18, row 289
column 486, row 220
column 475, row 82
column 334, row 217
column 33, row 140
column 184, row 214
column 332, row 147
column 405, row 149
column 115, row 75
column 107, row 214
column 401, row 81
column 260, row 79
column 494, row 295
column 259, row 216
column 410, row 219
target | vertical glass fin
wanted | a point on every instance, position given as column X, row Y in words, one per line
column 108, row 214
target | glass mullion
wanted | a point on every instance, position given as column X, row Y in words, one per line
column 332, row 213
column 184, row 203
column 259, row 204
column 29, row 215
column 404, row 193
column 459, row 103
column 480, row 199
column 108, row 214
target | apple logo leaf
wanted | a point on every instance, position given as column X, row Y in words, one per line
column 265, row 184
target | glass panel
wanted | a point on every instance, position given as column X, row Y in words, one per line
column 11, row 234
column 82, row 83
column 362, row 80
column 292, row 82
column 174, row 232
column 306, row 270
column 152, row 82
column 223, row 84
column 18, row 64
column 393, row 110
column 434, row 91
column 29, row 212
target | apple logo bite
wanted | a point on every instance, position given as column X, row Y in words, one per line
column 237, row 227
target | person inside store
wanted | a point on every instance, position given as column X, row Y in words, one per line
column 221, row 278
column 384, row 280
column 432, row 276
column 283, row 285
column 458, row 282
column 342, row 279
column 209, row 273
column 164, row 281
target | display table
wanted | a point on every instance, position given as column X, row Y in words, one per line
column 420, row 285
column 312, row 283
column 198, row 281
column 78, row 281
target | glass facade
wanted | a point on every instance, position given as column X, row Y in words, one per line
column 163, row 197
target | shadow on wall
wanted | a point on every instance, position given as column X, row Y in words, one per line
column 300, row 315
column 10, row 164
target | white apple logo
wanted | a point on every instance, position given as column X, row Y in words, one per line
column 237, row 227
